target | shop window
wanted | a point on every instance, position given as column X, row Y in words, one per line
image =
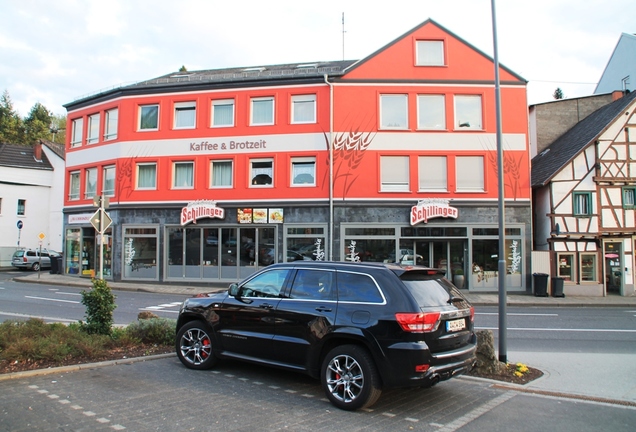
column 149, row 117
column 565, row 267
column 433, row 175
column 21, row 207
column 221, row 173
column 110, row 126
column 303, row 109
column 469, row 171
column 140, row 253
column 431, row 112
column 93, row 129
column 90, row 186
column 108, row 186
column 582, row 203
column 394, row 173
column 393, row 111
column 77, row 127
column 306, row 243
column 468, row 112
column 262, row 111
column 146, row 176
column 372, row 250
column 303, row 171
column 74, row 186
column 223, row 113
column 588, row 268
column 629, row 197
column 183, row 175
column 185, row 114
column 261, row 172
column 429, row 53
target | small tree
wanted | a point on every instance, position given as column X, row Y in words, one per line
column 558, row 93
column 100, row 304
column 183, row 69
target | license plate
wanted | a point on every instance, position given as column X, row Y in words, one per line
column 455, row 325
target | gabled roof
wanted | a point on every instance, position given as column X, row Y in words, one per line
column 620, row 71
column 17, row 156
column 551, row 160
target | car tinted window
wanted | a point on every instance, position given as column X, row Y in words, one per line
column 313, row 285
column 357, row 287
column 30, row 253
column 429, row 290
column 268, row 284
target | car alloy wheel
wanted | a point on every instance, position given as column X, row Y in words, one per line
column 194, row 346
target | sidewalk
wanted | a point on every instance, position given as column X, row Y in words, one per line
column 477, row 299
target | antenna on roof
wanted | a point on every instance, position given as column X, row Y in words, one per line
column 343, row 33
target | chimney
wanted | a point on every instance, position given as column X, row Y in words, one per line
column 37, row 151
column 617, row 94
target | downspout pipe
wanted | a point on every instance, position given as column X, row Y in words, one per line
column 330, row 144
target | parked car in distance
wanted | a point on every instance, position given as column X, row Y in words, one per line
column 358, row 327
column 31, row 259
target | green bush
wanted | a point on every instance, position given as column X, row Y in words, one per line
column 100, row 304
column 160, row 331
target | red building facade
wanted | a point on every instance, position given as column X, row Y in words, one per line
column 211, row 175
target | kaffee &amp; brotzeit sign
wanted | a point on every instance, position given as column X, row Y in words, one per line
column 432, row 208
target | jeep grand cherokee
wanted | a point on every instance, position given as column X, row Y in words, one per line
column 359, row 327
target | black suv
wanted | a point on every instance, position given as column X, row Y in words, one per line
column 359, row 327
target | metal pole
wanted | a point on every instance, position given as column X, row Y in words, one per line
column 503, row 356
column 101, row 237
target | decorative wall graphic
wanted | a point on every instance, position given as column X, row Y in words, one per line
column 129, row 251
column 352, row 255
column 512, row 166
column 319, row 253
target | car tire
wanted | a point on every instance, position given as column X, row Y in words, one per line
column 350, row 378
column 194, row 346
column 35, row 267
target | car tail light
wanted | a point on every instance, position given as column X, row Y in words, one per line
column 422, row 367
column 472, row 314
column 24, row 259
column 418, row 322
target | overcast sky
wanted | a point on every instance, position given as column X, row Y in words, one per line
column 56, row 51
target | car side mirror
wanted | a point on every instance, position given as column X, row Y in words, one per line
column 233, row 291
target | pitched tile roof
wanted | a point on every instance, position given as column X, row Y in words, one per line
column 17, row 156
column 550, row 161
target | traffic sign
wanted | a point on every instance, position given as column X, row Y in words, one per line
column 106, row 220
column 20, row 224
column 41, row 236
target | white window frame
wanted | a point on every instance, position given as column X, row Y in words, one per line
column 93, row 129
column 188, row 180
column 111, row 121
column 261, row 170
column 303, row 109
column 90, row 190
column 398, row 120
column 394, row 174
column 221, row 164
column 431, row 112
column 222, row 103
column 433, row 173
column 301, row 169
column 430, row 53
column 141, row 112
column 23, row 212
column 470, row 174
column 256, row 101
column 77, row 131
column 185, row 115
column 74, row 186
column 466, row 117
column 145, row 164
column 106, row 176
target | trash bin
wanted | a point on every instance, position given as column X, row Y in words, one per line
column 557, row 287
column 56, row 265
column 540, row 284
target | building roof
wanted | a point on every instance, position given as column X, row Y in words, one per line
column 620, row 71
column 19, row 156
column 551, row 160
column 56, row 148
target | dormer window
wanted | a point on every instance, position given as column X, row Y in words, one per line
column 429, row 53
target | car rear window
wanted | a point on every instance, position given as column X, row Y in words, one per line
column 429, row 290
column 18, row 254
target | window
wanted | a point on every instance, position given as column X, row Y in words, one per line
column 147, row 176
column 566, row 266
column 108, row 186
column 359, row 288
column 394, row 172
column 140, row 253
column 221, row 174
column 469, row 171
column 183, row 175
column 93, row 129
column 588, row 268
column 429, row 53
column 21, row 207
column 268, row 284
column 74, row 186
column 76, row 133
column 582, row 203
column 223, row 113
column 303, row 109
column 393, row 111
column 149, row 117
column 431, row 112
column 110, row 128
column 433, row 175
column 263, row 111
column 262, row 172
column 0, row 206
column 468, row 112
column 91, row 183
column 629, row 197
column 185, row 114
column 313, row 285
column 303, row 171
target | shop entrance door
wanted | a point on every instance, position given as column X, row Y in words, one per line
column 613, row 268
column 438, row 254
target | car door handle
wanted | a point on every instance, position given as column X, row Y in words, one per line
column 266, row 306
column 323, row 309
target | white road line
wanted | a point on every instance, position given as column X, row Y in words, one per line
column 518, row 314
column 17, row 315
column 563, row 330
column 50, row 299
column 68, row 293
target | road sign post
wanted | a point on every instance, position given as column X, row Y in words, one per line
column 101, row 221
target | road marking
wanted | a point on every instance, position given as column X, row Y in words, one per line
column 68, row 293
column 562, row 330
column 17, row 315
column 519, row 314
column 50, row 299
